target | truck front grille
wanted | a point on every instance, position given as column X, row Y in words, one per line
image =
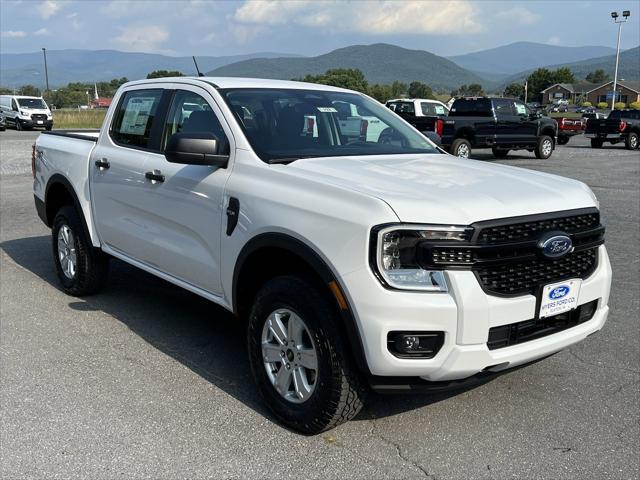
column 38, row 116
column 506, row 259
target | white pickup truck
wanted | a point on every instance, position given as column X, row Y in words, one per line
column 357, row 264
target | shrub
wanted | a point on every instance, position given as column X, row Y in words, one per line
column 620, row 105
column 635, row 105
column 603, row 105
column 587, row 104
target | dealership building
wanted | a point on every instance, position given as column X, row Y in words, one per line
column 626, row 92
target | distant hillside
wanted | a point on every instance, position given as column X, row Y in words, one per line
column 94, row 65
column 629, row 67
column 380, row 63
column 519, row 56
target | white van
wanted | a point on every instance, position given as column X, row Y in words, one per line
column 24, row 112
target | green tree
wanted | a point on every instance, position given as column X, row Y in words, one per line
column 563, row 75
column 398, row 89
column 419, row 90
column 6, row 91
column 514, row 90
column 164, row 73
column 382, row 93
column 598, row 76
column 475, row 89
column 350, row 78
column 543, row 78
column 29, row 91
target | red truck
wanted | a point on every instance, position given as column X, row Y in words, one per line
column 567, row 128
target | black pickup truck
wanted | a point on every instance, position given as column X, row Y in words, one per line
column 619, row 126
column 501, row 124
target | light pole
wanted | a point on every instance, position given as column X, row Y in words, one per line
column 625, row 15
column 46, row 72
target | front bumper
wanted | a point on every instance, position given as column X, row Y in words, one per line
column 465, row 315
column 35, row 124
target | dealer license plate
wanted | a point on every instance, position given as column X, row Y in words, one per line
column 40, row 122
column 559, row 297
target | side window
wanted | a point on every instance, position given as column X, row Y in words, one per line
column 522, row 109
column 427, row 108
column 14, row 104
column 189, row 113
column 504, row 107
column 134, row 118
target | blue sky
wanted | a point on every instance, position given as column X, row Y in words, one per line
column 308, row 27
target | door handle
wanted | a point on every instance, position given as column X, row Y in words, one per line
column 103, row 164
column 154, row 176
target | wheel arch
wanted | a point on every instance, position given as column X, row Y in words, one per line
column 58, row 193
column 268, row 255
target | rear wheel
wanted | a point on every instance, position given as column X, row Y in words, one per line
column 563, row 140
column 81, row 268
column 460, row 147
column 499, row 152
column 631, row 142
column 299, row 358
column 544, row 148
column 596, row 143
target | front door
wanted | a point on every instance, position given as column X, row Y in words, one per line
column 184, row 208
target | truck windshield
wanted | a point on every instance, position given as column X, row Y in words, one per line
column 286, row 124
column 34, row 103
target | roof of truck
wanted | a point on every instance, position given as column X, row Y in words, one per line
column 240, row 82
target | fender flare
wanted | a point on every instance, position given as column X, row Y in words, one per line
column 324, row 271
column 57, row 178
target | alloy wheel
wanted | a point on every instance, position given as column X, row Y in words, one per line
column 67, row 251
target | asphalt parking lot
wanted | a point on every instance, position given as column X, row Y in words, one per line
column 148, row 381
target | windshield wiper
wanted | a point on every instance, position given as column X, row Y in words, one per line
column 273, row 161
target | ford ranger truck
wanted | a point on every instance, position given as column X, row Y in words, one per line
column 357, row 263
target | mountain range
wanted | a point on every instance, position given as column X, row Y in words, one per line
column 381, row 63
column 520, row 56
column 66, row 66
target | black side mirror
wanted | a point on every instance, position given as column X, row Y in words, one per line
column 197, row 148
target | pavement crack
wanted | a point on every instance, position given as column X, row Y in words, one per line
column 602, row 365
column 400, row 454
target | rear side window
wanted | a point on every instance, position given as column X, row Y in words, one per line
column 432, row 109
column 134, row 118
column 480, row 107
column 402, row 107
column 504, row 108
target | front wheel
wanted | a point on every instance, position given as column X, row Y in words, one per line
column 18, row 125
column 460, row 147
column 299, row 358
column 544, row 147
column 631, row 142
column 596, row 143
column 563, row 140
column 81, row 268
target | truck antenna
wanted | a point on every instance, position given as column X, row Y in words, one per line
column 197, row 69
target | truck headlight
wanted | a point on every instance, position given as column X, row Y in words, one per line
column 22, row 112
column 396, row 255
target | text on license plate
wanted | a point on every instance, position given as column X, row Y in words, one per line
column 559, row 297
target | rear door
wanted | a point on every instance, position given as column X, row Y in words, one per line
column 117, row 169
column 507, row 121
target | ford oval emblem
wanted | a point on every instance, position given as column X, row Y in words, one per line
column 555, row 246
column 559, row 292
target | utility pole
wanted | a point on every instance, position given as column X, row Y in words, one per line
column 526, row 88
column 46, row 72
column 625, row 15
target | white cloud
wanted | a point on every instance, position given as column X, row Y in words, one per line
column 42, row 32
column 555, row 41
column 519, row 15
column 370, row 17
column 142, row 38
column 76, row 24
column 48, row 9
column 13, row 34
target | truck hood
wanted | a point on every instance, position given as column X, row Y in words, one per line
column 438, row 188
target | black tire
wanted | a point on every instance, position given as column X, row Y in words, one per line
column 18, row 125
column 499, row 152
column 563, row 140
column 544, row 147
column 339, row 391
column 48, row 129
column 460, row 147
column 596, row 143
column 91, row 265
column 631, row 142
